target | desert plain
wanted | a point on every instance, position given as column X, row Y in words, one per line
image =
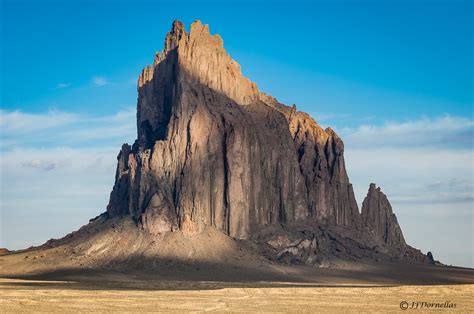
column 299, row 289
column 63, row 297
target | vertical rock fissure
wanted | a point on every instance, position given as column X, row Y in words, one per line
column 226, row 180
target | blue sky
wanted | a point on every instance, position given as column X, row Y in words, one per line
column 404, row 49
column 394, row 78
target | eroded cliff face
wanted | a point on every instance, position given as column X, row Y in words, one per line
column 213, row 150
column 330, row 196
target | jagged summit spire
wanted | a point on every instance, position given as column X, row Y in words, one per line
column 173, row 36
column 202, row 57
column 177, row 25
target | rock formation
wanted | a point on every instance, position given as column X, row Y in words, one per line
column 378, row 217
column 430, row 258
column 330, row 196
column 212, row 150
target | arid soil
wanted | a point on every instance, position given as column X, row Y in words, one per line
column 58, row 297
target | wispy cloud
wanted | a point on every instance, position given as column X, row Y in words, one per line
column 18, row 122
column 64, row 163
column 52, row 191
column 427, row 174
column 442, row 131
column 63, row 85
column 40, row 164
column 401, row 170
column 424, row 161
column 99, row 81
column 55, row 128
column 330, row 116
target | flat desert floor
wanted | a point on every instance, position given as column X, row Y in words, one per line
column 62, row 297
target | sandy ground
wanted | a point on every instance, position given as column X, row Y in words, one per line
column 61, row 297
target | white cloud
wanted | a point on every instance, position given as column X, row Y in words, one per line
column 420, row 161
column 52, row 191
column 55, row 128
column 413, row 175
column 99, row 81
column 426, row 169
column 57, row 165
column 445, row 131
column 40, row 164
column 330, row 116
column 17, row 122
column 63, row 85
column 56, row 171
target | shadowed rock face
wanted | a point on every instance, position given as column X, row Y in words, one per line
column 329, row 194
column 213, row 150
column 378, row 217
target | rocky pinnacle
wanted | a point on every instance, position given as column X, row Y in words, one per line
column 378, row 217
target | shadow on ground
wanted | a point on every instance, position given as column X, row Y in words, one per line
column 145, row 273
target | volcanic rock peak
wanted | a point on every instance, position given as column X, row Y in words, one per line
column 214, row 154
column 214, row 151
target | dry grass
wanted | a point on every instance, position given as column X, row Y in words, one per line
column 35, row 296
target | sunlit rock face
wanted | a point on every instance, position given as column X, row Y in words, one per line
column 213, row 150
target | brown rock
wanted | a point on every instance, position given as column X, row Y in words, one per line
column 214, row 151
column 320, row 152
column 188, row 227
column 207, row 145
column 378, row 217
column 430, row 259
column 160, row 215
